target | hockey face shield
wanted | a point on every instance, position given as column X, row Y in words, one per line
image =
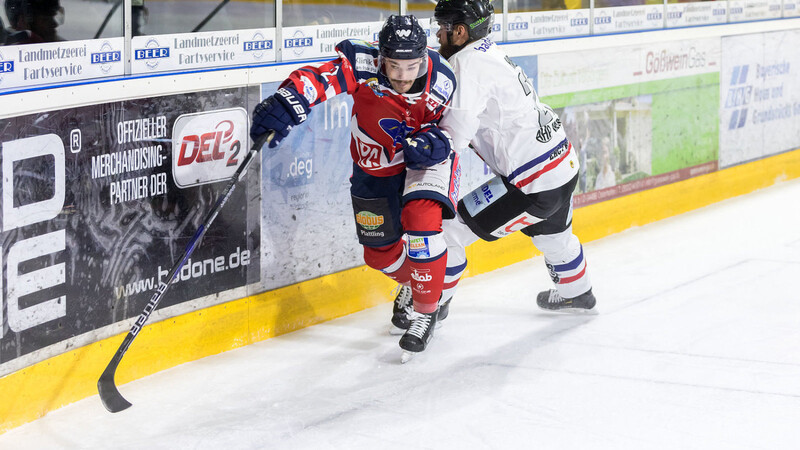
column 402, row 73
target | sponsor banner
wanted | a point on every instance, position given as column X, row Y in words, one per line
column 57, row 62
column 585, row 70
column 791, row 8
column 318, row 41
column 199, row 50
column 547, row 24
column 619, row 190
column 638, row 112
column 696, row 13
column 628, row 18
column 759, row 111
column 743, row 10
column 94, row 216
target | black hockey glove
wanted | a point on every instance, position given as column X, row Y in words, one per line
column 279, row 112
column 426, row 148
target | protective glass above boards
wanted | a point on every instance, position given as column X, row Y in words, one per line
column 314, row 12
column 24, row 22
column 156, row 17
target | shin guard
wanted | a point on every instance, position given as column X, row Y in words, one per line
column 427, row 262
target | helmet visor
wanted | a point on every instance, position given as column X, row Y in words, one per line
column 403, row 69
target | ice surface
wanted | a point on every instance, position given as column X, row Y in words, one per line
column 695, row 347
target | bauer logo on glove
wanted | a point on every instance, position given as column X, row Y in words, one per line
column 279, row 112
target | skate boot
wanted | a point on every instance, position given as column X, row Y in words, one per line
column 402, row 307
column 444, row 310
column 418, row 335
column 552, row 301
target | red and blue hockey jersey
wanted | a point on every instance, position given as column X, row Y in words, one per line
column 382, row 118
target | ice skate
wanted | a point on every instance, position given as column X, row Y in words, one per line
column 444, row 310
column 419, row 334
column 552, row 301
column 403, row 305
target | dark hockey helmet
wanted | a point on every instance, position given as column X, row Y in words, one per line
column 477, row 15
column 402, row 37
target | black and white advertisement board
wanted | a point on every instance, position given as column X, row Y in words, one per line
column 99, row 202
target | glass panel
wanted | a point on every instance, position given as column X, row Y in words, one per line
column 312, row 12
column 424, row 8
column 545, row 5
column 152, row 17
column 41, row 21
column 611, row 3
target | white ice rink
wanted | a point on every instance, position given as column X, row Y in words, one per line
column 696, row 346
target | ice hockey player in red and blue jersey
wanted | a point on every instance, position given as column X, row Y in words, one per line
column 405, row 174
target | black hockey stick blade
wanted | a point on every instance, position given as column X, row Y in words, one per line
column 106, row 386
column 109, row 394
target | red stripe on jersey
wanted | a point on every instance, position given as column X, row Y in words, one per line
column 574, row 278
column 548, row 167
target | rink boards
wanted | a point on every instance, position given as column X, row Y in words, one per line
column 690, row 123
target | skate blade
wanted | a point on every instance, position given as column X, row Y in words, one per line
column 573, row 311
column 406, row 356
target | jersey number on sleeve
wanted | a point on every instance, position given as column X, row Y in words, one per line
column 526, row 84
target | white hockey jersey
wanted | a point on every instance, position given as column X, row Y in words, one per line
column 496, row 109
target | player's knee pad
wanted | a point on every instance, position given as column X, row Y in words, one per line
column 496, row 209
column 422, row 215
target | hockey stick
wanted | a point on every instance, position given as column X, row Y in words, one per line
column 108, row 17
column 210, row 16
column 106, row 387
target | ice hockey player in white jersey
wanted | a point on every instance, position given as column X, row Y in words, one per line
column 496, row 109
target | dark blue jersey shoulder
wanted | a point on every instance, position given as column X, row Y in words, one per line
column 443, row 80
column 362, row 55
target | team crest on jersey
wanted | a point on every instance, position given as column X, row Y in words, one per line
column 545, row 133
column 395, row 129
column 375, row 86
